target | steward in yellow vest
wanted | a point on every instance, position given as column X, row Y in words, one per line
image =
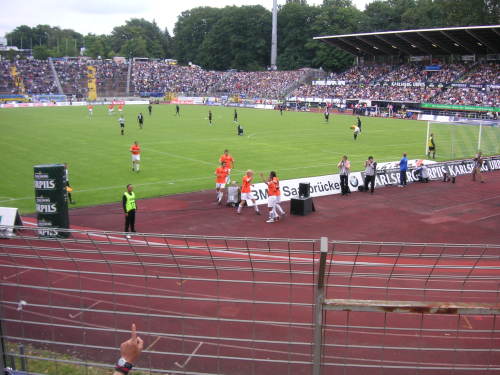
column 129, row 207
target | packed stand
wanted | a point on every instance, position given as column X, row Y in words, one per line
column 410, row 83
column 484, row 74
column 264, row 84
column 448, row 73
column 111, row 77
column 36, row 76
column 6, row 83
column 469, row 96
column 363, row 74
column 73, row 77
column 406, row 73
column 160, row 77
column 389, row 93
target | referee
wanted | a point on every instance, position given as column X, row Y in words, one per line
column 121, row 121
column 129, row 207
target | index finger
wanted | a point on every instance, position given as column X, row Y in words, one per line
column 133, row 335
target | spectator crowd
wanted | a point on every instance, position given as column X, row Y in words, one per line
column 412, row 82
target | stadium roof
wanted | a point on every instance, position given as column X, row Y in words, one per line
column 443, row 41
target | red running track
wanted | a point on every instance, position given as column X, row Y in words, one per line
column 198, row 313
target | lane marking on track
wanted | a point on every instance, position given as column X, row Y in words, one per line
column 467, row 322
column 15, row 274
column 466, row 203
column 73, row 316
column 153, row 343
column 61, row 279
column 190, row 356
column 485, row 217
column 370, row 261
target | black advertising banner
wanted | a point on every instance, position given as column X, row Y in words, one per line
column 51, row 199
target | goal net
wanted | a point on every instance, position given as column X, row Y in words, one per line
column 463, row 139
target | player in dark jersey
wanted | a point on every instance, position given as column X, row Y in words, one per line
column 235, row 117
column 150, row 108
column 209, row 117
column 140, row 120
column 177, row 110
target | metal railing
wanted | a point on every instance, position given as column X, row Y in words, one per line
column 229, row 305
column 394, row 308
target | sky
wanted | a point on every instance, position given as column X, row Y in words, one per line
column 100, row 16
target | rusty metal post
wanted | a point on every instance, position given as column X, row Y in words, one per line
column 318, row 308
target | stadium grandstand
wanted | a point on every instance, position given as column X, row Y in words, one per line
column 429, row 69
column 440, row 68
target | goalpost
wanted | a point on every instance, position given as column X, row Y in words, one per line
column 463, row 139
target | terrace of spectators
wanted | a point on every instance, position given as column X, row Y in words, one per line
column 373, row 82
column 410, row 82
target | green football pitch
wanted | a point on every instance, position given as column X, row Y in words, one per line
column 180, row 154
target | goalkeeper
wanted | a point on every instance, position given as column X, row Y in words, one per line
column 431, row 145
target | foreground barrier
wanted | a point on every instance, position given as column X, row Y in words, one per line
column 226, row 305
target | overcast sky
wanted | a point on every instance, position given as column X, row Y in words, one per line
column 100, row 16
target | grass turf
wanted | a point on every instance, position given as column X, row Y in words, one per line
column 180, row 154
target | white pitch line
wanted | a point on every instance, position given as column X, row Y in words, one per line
column 118, row 187
column 81, row 312
column 181, row 157
column 190, row 356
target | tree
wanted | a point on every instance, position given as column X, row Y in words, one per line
column 426, row 14
column 336, row 17
column 21, row 37
column 61, row 42
column 240, row 39
column 136, row 47
column 295, row 30
column 386, row 15
column 41, row 52
column 149, row 36
column 97, row 45
column 190, row 30
column 469, row 12
column 168, row 44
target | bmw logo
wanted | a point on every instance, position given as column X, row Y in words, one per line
column 353, row 181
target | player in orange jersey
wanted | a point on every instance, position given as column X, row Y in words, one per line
column 135, row 150
column 111, row 109
column 246, row 192
column 220, row 181
column 90, row 107
column 229, row 162
column 273, row 197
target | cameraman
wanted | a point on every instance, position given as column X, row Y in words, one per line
column 370, row 168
